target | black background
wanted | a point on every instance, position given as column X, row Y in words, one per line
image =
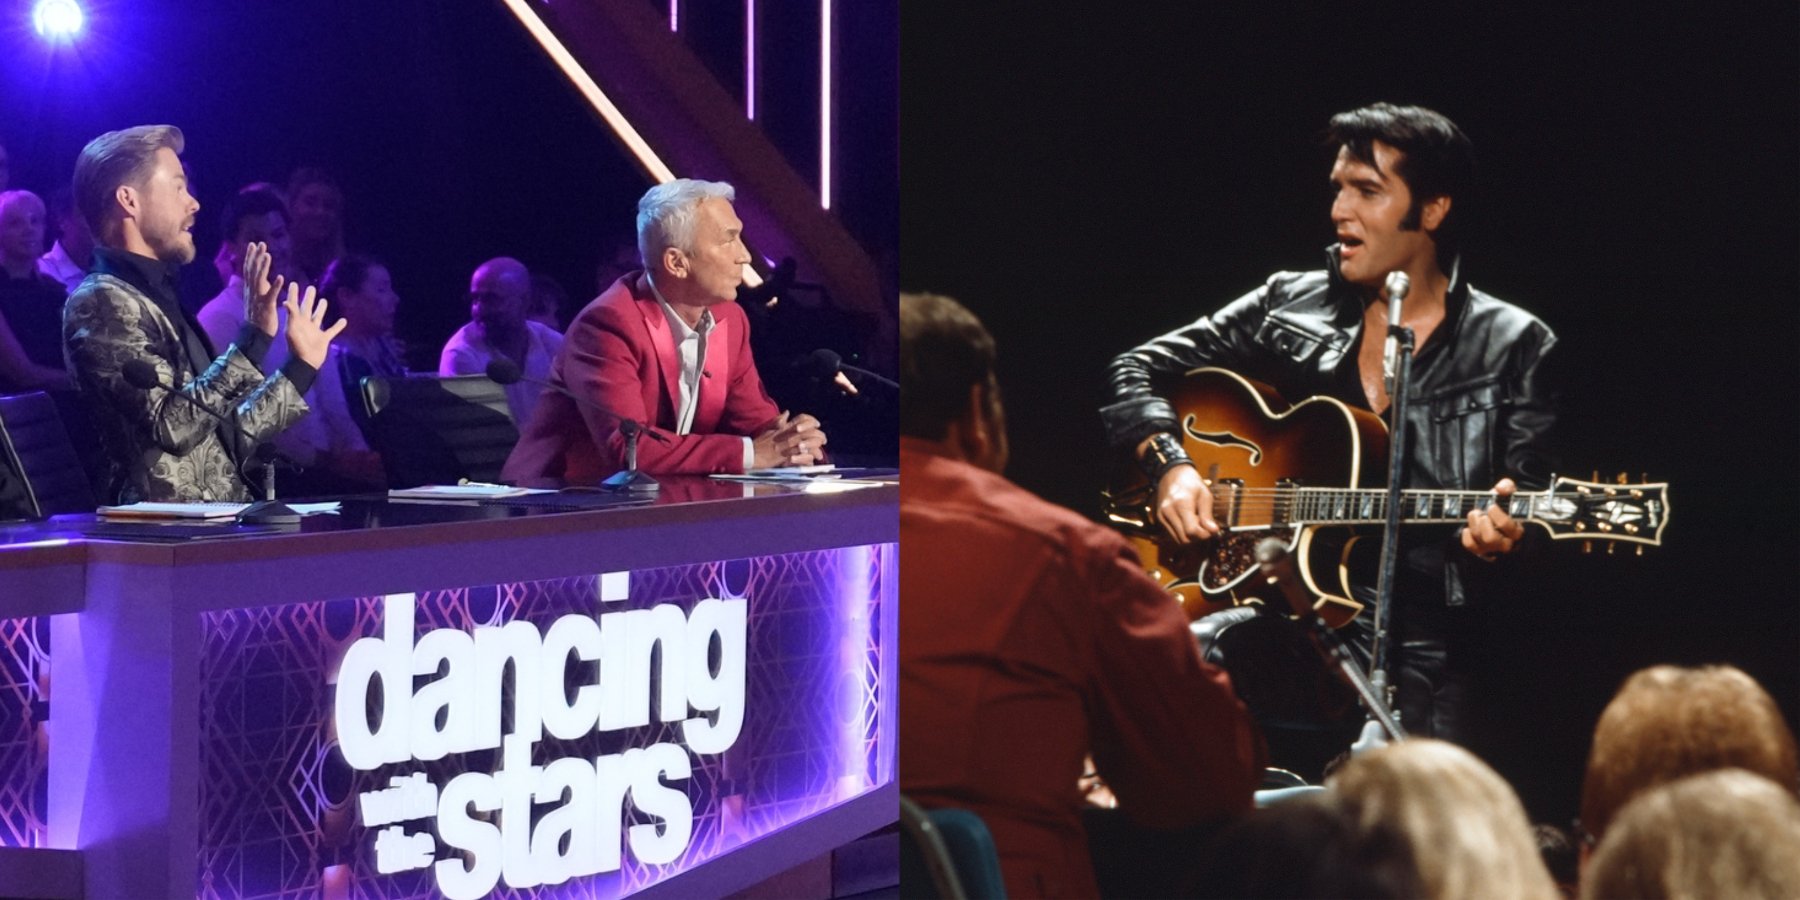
column 1087, row 179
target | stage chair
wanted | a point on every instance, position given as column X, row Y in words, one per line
column 35, row 446
column 432, row 430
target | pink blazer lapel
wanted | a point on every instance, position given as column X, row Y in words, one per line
column 715, row 386
column 664, row 345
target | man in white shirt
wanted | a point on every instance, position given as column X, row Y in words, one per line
column 255, row 214
column 499, row 307
column 72, row 256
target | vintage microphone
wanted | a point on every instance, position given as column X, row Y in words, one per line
column 141, row 374
column 504, row 371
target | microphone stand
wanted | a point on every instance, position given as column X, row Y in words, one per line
column 268, row 510
column 630, row 480
column 1400, row 339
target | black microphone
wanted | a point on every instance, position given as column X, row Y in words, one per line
column 504, row 371
column 827, row 364
column 779, row 281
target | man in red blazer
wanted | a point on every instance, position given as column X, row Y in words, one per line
column 669, row 348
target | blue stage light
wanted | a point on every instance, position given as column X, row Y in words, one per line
column 57, row 19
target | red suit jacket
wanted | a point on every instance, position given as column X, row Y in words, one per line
column 1030, row 638
column 619, row 352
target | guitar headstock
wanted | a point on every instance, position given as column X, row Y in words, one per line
column 1599, row 511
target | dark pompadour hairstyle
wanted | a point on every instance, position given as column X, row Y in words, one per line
column 944, row 350
column 1438, row 159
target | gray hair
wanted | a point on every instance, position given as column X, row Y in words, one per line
column 665, row 215
column 115, row 158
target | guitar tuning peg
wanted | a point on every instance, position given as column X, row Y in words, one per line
column 1596, row 475
column 1587, row 546
column 1610, row 548
column 1643, row 478
column 1640, row 549
column 1622, row 479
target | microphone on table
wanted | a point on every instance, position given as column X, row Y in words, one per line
column 142, row 374
column 504, row 371
column 825, row 363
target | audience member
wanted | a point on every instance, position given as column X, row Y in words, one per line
column 72, row 256
column 1304, row 847
column 317, row 206
column 499, row 299
column 1466, row 828
column 1670, row 721
column 30, row 301
column 256, row 214
column 1031, row 638
column 547, row 301
column 1724, row 833
column 1557, row 849
column 361, row 290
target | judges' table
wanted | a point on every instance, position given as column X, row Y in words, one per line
column 677, row 698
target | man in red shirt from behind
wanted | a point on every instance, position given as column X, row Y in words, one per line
column 1030, row 640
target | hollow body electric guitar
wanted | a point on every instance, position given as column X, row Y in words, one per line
column 1297, row 472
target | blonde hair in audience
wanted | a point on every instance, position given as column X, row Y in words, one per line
column 1468, row 831
column 1671, row 721
column 1725, row 833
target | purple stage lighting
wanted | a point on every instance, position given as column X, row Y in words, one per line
column 57, row 19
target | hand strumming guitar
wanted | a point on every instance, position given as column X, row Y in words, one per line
column 1183, row 503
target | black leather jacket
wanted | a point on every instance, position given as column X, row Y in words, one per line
column 1480, row 405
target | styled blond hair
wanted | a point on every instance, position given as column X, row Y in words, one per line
column 1671, row 721
column 1467, row 830
column 1725, row 833
column 115, row 158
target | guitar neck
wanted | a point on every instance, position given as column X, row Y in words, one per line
column 1355, row 506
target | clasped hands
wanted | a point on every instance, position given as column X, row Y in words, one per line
column 1184, row 505
column 795, row 441
column 308, row 339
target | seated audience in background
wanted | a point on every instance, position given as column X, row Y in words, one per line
column 1671, row 721
column 333, row 444
column 1725, row 833
column 666, row 347
column 72, row 256
column 1031, row 638
column 317, row 206
column 1467, row 830
column 1557, row 849
column 547, row 301
column 1308, row 846
column 256, row 214
column 499, row 303
column 30, row 301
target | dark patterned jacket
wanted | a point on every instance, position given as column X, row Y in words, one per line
column 162, row 448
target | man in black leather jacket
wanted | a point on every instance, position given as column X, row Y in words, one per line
column 1479, row 410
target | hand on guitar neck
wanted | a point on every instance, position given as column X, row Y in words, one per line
column 1491, row 531
column 1183, row 503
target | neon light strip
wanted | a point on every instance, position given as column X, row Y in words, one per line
column 674, row 15
column 750, row 59
column 825, row 104
column 584, row 83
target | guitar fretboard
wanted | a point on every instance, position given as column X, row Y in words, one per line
column 1363, row 505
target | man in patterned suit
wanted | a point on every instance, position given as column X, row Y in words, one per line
column 132, row 190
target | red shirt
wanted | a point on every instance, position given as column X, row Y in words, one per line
column 1030, row 638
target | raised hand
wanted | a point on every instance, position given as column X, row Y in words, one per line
column 307, row 337
column 260, row 296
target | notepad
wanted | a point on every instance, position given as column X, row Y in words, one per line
column 149, row 510
column 457, row 492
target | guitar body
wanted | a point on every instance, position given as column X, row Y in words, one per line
column 1247, row 441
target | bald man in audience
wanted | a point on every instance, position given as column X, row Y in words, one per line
column 501, row 327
